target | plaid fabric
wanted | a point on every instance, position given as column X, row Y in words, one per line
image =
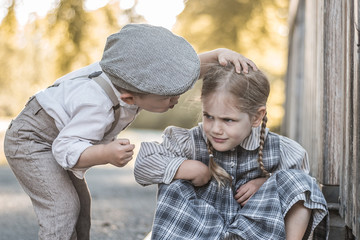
column 209, row 212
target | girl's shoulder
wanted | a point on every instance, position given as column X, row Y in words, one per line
column 179, row 136
column 285, row 141
column 293, row 154
column 179, row 132
column 183, row 138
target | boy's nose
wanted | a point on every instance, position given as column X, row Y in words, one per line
column 174, row 99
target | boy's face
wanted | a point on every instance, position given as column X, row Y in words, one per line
column 225, row 126
column 155, row 103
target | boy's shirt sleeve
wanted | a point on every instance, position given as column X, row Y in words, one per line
column 159, row 162
column 293, row 155
column 87, row 126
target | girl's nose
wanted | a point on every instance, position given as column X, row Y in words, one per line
column 217, row 128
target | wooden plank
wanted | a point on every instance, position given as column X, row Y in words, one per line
column 333, row 91
column 312, row 119
column 355, row 164
column 294, row 77
column 319, row 78
column 346, row 173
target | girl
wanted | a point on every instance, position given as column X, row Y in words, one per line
column 230, row 177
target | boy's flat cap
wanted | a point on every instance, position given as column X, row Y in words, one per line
column 150, row 59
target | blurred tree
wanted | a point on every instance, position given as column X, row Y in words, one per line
column 7, row 43
column 211, row 23
column 67, row 30
column 34, row 55
column 251, row 27
column 8, row 55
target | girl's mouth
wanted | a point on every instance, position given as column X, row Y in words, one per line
column 218, row 140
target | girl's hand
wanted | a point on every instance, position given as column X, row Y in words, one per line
column 195, row 171
column 246, row 191
column 119, row 152
column 239, row 61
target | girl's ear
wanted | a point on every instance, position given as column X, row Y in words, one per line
column 128, row 98
column 257, row 119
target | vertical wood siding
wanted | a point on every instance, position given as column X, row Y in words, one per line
column 322, row 109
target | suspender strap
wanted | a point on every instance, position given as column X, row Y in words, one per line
column 96, row 76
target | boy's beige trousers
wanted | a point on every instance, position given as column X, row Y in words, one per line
column 60, row 200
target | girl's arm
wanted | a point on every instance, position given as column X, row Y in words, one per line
column 195, row 171
column 223, row 55
column 293, row 155
column 160, row 162
column 246, row 191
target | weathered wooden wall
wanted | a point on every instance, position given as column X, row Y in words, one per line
column 323, row 103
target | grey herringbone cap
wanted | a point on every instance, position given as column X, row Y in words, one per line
column 150, row 59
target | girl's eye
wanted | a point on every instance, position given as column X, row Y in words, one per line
column 228, row 120
column 207, row 116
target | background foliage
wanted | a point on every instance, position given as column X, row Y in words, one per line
column 68, row 37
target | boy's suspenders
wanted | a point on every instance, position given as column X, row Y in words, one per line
column 96, row 76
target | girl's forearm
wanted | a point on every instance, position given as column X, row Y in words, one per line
column 206, row 58
column 195, row 171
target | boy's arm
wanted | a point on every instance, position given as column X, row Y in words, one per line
column 223, row 55
column 118, row 153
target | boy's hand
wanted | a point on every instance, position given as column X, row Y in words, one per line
column 246, row 191
column 195, row 171
column 119, row 152
column 239, row 61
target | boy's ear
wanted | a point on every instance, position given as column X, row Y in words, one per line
column 128, row 98
column 257, row 119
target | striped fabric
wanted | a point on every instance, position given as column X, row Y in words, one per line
column 209, row 212
column 179, row 144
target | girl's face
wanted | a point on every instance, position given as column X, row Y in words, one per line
column 225, row 125
column 155, row 103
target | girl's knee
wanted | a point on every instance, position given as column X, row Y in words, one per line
column 294, row 175
column 178, row 188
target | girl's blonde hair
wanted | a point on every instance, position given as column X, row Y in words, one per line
column 251, row 91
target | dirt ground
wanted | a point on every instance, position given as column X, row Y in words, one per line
column 121, row 208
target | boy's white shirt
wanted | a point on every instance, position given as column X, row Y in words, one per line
column 82, row 113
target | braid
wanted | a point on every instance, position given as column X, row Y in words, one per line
column 220, row 175
column 262, row 140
